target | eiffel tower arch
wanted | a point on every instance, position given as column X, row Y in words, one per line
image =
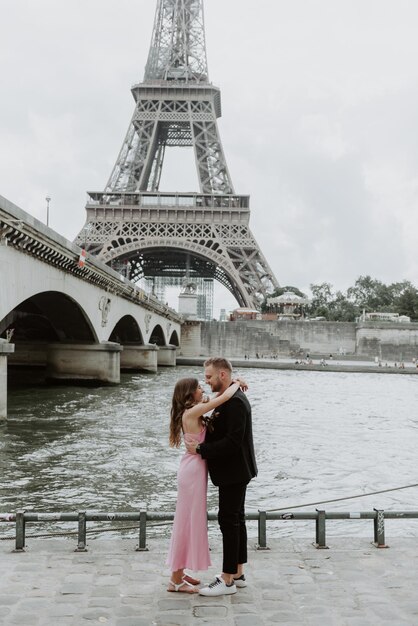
column 151, row 233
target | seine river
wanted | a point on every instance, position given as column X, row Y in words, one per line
column 318, row 435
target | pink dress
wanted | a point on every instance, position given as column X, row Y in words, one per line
column 189, row 546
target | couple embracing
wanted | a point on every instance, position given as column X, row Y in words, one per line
column 222, row 444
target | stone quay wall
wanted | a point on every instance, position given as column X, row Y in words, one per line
column 387, row 341
column 398, row 342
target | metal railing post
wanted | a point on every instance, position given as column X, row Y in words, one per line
column 320, row 537
column 262, row 531
column 142, row 545
column 20, row 532
column 379, row 529
column 82, row 532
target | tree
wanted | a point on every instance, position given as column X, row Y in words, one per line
column 322, row 297
column 367, row 293
column 397, row 289
column 370, row 294
column 407, row 303
column 281, row 290
column 342, row 310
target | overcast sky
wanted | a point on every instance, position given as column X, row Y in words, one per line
column 319, row 126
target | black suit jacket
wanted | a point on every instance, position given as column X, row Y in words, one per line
column 229, row 449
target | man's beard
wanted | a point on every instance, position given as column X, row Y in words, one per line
column 216, row 386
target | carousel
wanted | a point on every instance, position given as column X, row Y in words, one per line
column 288, row 306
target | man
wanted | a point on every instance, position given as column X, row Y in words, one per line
column 229, row 451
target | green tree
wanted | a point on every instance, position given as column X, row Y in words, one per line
column 407, row 303
column 397, row 289
column 373, row 295
column 367, row 293
column 342, row 310
column 370, row 294
column 281, row 290
column 322, row 298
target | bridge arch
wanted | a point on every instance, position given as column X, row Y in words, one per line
column 49, row 316
column 127, row 330
column 174, row 339
column 157, row 336
column 173, row 257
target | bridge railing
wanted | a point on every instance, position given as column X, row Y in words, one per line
column 320, row 517
column 24, row 232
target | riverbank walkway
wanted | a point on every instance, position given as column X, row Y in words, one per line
column 292, row 584
column 316, row 364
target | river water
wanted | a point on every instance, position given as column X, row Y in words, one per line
column 318, row 435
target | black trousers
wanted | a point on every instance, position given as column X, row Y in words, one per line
column 231, row 518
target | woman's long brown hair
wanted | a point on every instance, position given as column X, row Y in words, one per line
column 183, row 398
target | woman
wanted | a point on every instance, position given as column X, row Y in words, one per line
column 189, row 545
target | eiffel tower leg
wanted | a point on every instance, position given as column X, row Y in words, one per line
column 253, row 270
column 133, row 166
column 213, row 171
column 115, row 182
column 157, row 167
column 148, row 154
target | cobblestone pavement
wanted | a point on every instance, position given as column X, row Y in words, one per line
column 351, row 584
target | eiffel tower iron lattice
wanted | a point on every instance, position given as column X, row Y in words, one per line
column 149, row 233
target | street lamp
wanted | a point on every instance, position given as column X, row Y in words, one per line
column 48, row 200
column 87, row 228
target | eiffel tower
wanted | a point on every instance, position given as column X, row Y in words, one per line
column 131, row 224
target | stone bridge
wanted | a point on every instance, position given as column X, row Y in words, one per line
column 76, row 318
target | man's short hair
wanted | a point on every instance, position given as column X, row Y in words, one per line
column 218, row 363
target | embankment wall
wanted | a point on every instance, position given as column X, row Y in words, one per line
column 289, row 338
column 388, row 341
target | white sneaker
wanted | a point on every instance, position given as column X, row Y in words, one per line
column 240, row 582
column 218, row 588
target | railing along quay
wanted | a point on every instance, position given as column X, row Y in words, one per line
column 378, row 516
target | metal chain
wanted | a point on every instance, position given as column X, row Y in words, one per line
column 361, row 495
